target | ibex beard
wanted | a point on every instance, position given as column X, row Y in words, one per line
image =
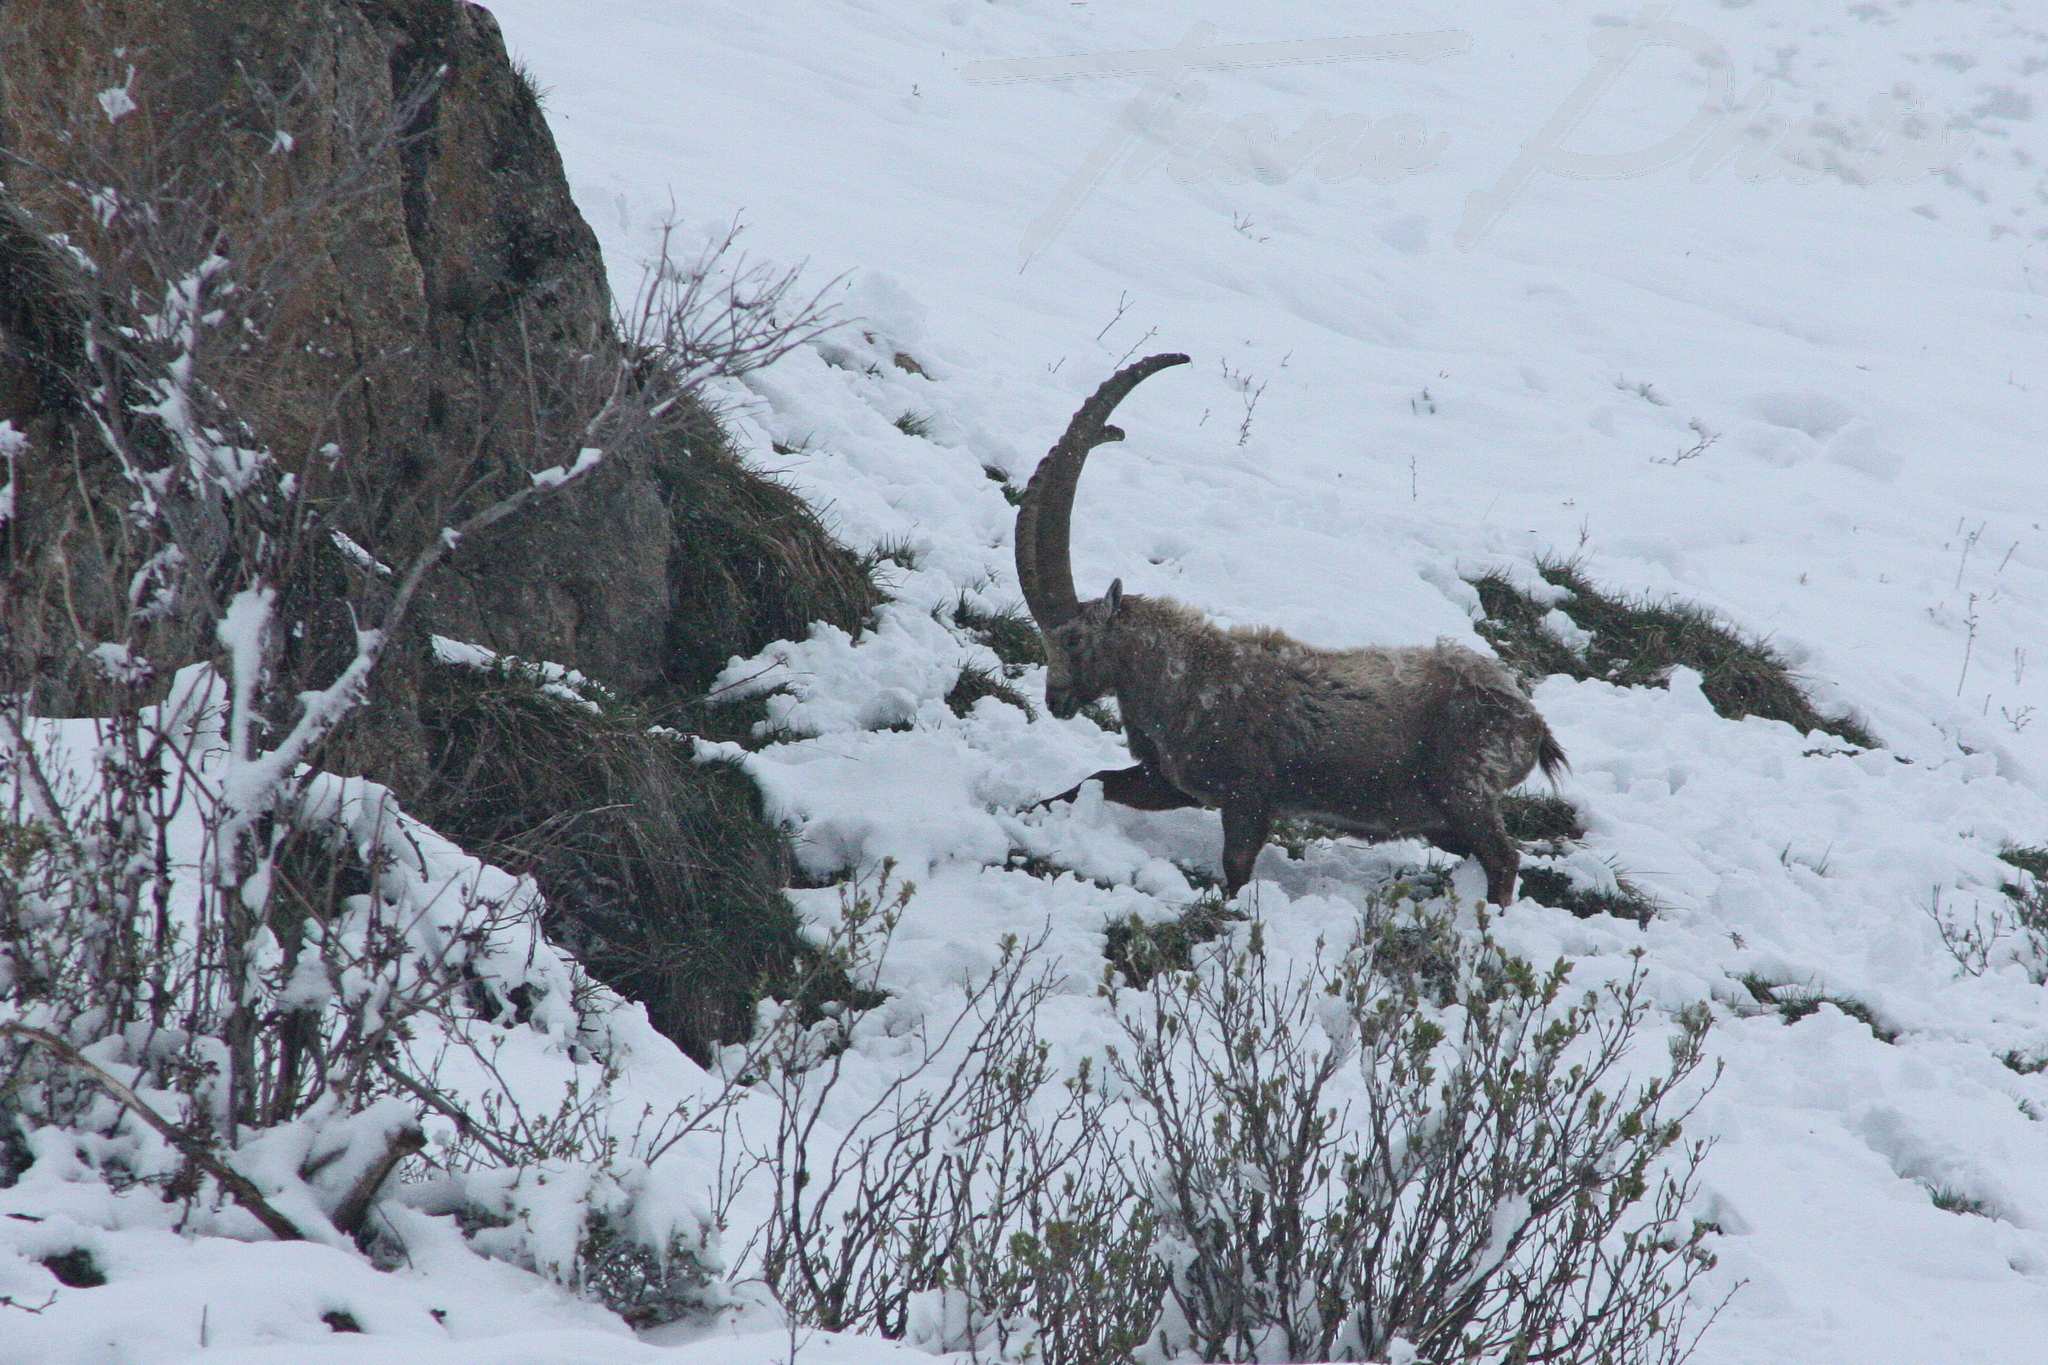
column 1381, row 743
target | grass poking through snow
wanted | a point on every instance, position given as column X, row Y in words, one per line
column 1008, row 631
column 2031, row 859
column 1559, row 890
column 1951, row 1200
column 1793, row 1003
column 1637, row 641
column 1541, row 817
column 976, row 682
column 1294, row 837
column 663, row 873
column 1137, row 951
column 752, row 563
column 1011, row 493
column 1545, row 825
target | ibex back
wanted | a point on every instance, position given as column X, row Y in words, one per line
column 1417, row 741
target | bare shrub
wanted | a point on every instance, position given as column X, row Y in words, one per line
column 1417, row 1145
column 1340, row 1170
column 1076, row 1284
column 2015, row 931
column 972, row 1202
column 719, row 314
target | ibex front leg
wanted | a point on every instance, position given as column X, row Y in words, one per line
column 1139, row 786
column 1246, row 827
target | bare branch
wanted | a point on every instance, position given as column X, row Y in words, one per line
column 435, row 1100
column 238, row 1186
column 355, row 1205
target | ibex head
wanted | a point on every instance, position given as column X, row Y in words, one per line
column 1076, row 633
column 1078, row 659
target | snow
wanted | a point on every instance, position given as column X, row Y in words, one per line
column 119, row 663
column 353, row 552
column 116, row 101
column 12, row 444
column 1762, row 257
column 586, row 460
column 563, row 684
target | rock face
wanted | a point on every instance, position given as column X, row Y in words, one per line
column 412, row 318
column 439, row 305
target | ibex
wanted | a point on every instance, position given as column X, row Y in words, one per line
column 1381, row 743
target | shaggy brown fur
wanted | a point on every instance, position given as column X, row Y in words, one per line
column 1382, row 743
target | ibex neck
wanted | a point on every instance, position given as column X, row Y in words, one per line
column 1156, row 648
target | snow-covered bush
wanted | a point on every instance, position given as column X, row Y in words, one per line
column 207, row 945
column 1342, row 1169
column 583, row 1221
column 235, row 986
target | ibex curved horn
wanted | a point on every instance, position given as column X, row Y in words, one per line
column 1045, row 516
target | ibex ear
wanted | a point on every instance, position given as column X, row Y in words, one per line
column 1113, row 600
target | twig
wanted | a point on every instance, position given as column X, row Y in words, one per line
column 1251, row 403
column 1123, row 305
column 440, row 1103
column 1969, row 642
column 238, row 1186
column 760, row 672
column 1969, row 544
column 1696, row 449
column 17, row 754
column 324, row 710
column 1150, row 332
column 1249, row 391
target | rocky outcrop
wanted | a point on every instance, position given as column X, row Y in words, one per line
column 437, row 307
column 420, row 321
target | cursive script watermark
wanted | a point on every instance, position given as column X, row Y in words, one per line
column 1894, row 144
column 1161, row 121
column 1165, row 124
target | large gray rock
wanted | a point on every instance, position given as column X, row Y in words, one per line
column 439, row 308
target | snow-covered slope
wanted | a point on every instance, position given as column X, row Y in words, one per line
column 1864, row 337
column 1463, row 359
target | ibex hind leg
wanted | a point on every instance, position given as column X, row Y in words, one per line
column 1490, row 740
column 1471, row 810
